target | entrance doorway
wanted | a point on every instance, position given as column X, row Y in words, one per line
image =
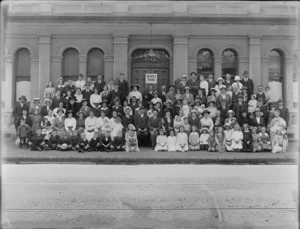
column 142, row 63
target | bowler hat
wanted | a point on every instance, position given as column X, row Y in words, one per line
column 245, row 73
column 206, row 111
column 193, row 73
column 23, row 97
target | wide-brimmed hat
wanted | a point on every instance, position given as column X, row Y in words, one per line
column 194, row 111
column 183, row 76
column 244, row 88
column 64, row 146
column 193, row 73
column 246, row 73
column 211, row 100
column 227, row 124
column 126, row 108
column 187, row 88
column 23, row 97
column 220, row 78
column 60, row 78
column 69, row 112
column 230, row 111
column 256, row 109
column 237, row 78
column 223, row 87
column 197, row 101
column 47, row 100
column 62, row 110
column 213, row 89
column 155, row 93
column 206, row 111
column 135, row 85
column 83, row 100
column 79, row 112
column 36, row 99
column 204, row 128
column 168, row 101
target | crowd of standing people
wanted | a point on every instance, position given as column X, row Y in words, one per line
column 196, row 113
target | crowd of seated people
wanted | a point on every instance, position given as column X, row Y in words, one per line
column 194, row 114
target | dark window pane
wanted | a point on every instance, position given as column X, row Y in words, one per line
column 70, row 64
column 229, row 62
column 95, row 63
column 275, row 66
column 205, row 62
column 158, row 56
column 23, row 64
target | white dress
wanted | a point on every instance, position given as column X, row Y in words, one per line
column 172, row 143
column 203, row 139
column 182, row 138
column 116, row 128
column 90, row 127
column 186, row 110
column 161, row 140
column 237, row 136
column 252, row 104
column 227, row 139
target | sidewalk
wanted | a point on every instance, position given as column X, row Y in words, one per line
column 12, row 154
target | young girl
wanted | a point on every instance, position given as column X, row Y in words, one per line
column 178, row 95
column 280, row 142
column 237, row 138
column 257, row 144
column 204, row 139
column 247, row 139
column 118, row 143
column 36, row 120
column 177, row 124
column 227, row 137
column 211, row 142
column 252, row 104
column 182, row 140
column 161, row 141
column 116, row 128
column 185, row 108
column 177, row 106
column 46, row 128
column 219, row 137
column 82, row 144
column 194, row 139
column 172, row 141
column 186, row 125
column 131, row 139
column 265, row 139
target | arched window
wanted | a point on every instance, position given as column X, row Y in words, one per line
column 70, row 68
column 205, row 62
column 95, row 63
column 22, row 74
column 276, row 73
column 229, row 62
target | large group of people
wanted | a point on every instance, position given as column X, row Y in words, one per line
column 196, row 113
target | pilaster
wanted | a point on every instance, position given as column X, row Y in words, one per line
column 217, row 67
column 254, row 59
column 180, row 47
column 120, row 55
column 288, row 82
column 82, row 65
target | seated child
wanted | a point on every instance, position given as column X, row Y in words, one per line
column 172, row 141
column 94, row 143
column 105, row 142
column 247, row 139
column 74, row 139
column 237, row 139
column 116, row 127
column 252, row 104
column 182, row 140
column 204, row 139
column 82, row 144
column 220, row 138
column 53, row 141
column 280, row 142
column 161, row 141
column 194, row 139
column 211, row 142
column 37, row 141
column 257, row 144
column 46, row 128
column 265, row 139
column 227, row 137
column 65, row 142
column 118, row 142
column 22, row 133
column 185, row 108
column 177, row 124
column 131, row 139
column 186, row 125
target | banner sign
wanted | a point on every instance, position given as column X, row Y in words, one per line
column 151, row 78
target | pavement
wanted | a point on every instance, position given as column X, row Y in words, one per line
column 149, row 196
column 12, row 154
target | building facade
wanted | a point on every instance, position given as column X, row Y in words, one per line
column 48, row 40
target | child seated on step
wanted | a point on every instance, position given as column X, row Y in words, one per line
column 94, row 143
column 131, row 139
column 37, row 142
column 204, row 138
column 247, row 139
column 105, row 142
column 182, row 140
column 220, row 138
column 237, row 138
column 161, row 141
column 53, row 141
column 265, row 139
column 211, row 142
column 227, row 137
column 65, row 141
column 82, row 144
column 257, row 144
column 280, row 142
column 194, row 139
column 172, row 141
column 118, row 142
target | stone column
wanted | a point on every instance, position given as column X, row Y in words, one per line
column 8, row 86
column 265, row 70
column 34, row 74
column 288, row 82
column 254, row 59
column 192, row 65
column 82, row 65
column 217, row 67
column 44, row 62
column 121, row 55
column 172, row 77
column 180, row 64
column 109, row 67
column 56, row 68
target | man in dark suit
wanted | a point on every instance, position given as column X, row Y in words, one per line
column 235, row 95
column 58, row 98
column 18, row 109
column 69, row 87
column 258, row 120
column 284, row 111
column 194, row 84
column 123, row 87
column 115, row 93
column 87, row 93
column 127, row 119
column 238, row 108
column 141, row 124
column 99, row 84
column 26, row 117
column 45, row 109
column 163, row 93
column 211, row 81
column 228, row 81
column 248, row 83
column 223, row 109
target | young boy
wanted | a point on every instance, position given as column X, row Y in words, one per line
column 247, row 139
column 82, row 144
column 74, row 139
column 94, row 143
column 23, row 134
column 53, row 141
column 105, row 142
column 37, row 141
column 65, row 142
column 118, row 143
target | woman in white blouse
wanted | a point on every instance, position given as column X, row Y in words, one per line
column 79, row 97
column 95, row 98
column 204, row 84
column 90, row 126
column 135, row 93
column 206, row 121
column 219, row 86
column 80, row 83
column 70, row 122
column 50, row 89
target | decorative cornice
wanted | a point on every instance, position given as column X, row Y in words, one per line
column 243, row 59
column 288, row 59
column 9, row 58
column 34, row 58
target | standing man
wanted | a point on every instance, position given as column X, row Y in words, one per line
column 18, row 109
column 211, row 81
column 228, row 81
column 87, row 93
column 248, row 83
column 80, row 83
column 141, row 124
column 99, row 84
column 193, row 83
column 123, row 87
column 163, row 93
column 284, row 112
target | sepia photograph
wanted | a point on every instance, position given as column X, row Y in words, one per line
column 152, row 114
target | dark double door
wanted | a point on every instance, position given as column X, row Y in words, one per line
column 138, row 76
